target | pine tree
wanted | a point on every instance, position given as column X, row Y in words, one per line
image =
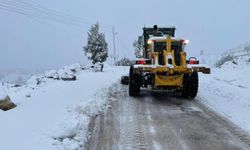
column 138, row 47
column 97, row 48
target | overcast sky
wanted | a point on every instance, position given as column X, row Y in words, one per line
column 31, row 41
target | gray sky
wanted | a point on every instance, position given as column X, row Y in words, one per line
column 41, row 43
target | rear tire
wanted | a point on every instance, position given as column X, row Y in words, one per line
column 134, row 83
column 190, row 85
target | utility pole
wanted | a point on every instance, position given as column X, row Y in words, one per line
column 114, row 33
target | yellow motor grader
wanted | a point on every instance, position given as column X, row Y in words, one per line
column 164, row 65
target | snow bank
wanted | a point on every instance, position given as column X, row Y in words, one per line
column 56, row 113
column 72, row 133
column 226, row 91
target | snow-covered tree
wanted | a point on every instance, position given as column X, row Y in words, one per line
column 224, row 59
column 124, row 62
column 97, row 48
column 138, row 47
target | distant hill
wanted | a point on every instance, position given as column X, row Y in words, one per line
column 237, row 55
column 16, row 76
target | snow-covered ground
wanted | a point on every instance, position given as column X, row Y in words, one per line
column 227, row 91
column 2, row 93
column 54, row 114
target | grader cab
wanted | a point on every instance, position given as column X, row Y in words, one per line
column 164, row 65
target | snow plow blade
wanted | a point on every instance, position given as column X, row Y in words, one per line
column 198, row 68
column 125, row 80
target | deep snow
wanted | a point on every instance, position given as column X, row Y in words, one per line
column 55, row 114
column 226, row 91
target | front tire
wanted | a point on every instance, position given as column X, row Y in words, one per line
column 190, row 85
column 134, row 83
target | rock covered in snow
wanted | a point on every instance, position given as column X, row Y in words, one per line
column 229, row 65
column 5, row 102
column 94, row 67
column 35, row 81
column 74, row 68
column 52, row 74
column 68, row 73
column 68, row 77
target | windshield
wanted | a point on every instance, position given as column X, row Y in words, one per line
column 160, row 46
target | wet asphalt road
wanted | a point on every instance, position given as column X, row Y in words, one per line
column 155, row 121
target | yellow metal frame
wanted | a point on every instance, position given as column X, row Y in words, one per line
column 170, row 79
column 174, row 80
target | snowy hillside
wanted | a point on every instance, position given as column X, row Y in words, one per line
column 238, row 54
column 54, row 114
column 226, row 90
column 241, row 50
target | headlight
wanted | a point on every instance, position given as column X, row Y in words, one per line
column 186, row 41
column 150, row 42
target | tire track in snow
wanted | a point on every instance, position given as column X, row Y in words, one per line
column 154, row 121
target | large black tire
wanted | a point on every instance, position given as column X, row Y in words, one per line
column 134, row 83
column 190, row 85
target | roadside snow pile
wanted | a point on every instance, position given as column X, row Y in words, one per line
column 69, row 73
column 226, row 91
column 54, row 114
column 66, row 74
column 73, row 132
column 96, row 68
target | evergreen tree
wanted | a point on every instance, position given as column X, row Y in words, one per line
column 138, row 47
column 97, row 48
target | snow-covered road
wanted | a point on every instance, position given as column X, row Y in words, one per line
column 156, row 121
